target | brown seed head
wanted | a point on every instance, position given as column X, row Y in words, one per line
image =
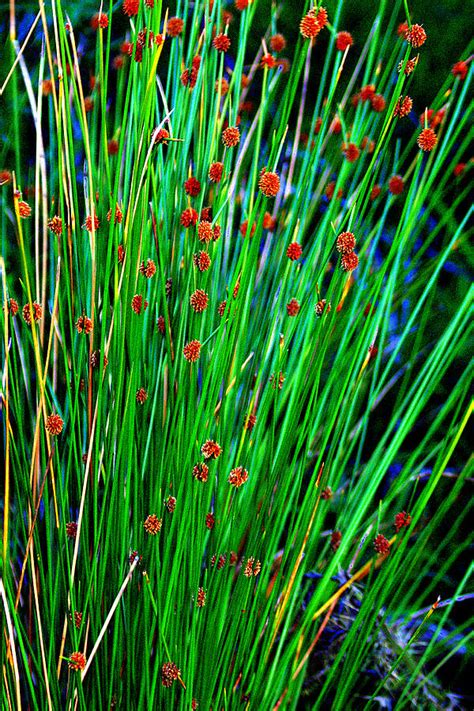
column 175, row 26
column 77, row 661
column 427, row 139
column 215, row 172
column 269, row 184
column 221, row 42
column 84, row 325
column 336, row 537
column 141, row 396
column 230, row 136
column 381, row 545
column 55, row 224
column 192, row 187
column 294, row 251
column 378, row 102
column 238, row 476
column 204, row 231
column 170, row 503
column 199, row 301
column 403, row 106
column 201, row 471
column 343, row 41
column 292, row 307
column 152, row 524
column 54, row 424
column 349, row 262
column 277, row 43
column 24, row 209
column 416, row 36
column 139, row 304
column 200, row 601
column 345, row 242
column 192, row 351
column 169, row 673
column 71, row 529
column 131, row 7
column 202, row 261
column 189, row 217
column 37, row 312
column 210, row 449
column 396, row 184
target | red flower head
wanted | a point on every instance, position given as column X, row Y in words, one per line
column 427, row 139
column 170, row 503
column 230, row 136
column 55, row 224
column 139, row 304
column 77, row 661
column 402, row 519
column 269, row 222
column 169, row 673
column 292, row 307
column 367, row 92
column 381, row 545
column 336, row 125
column 378, row 102
column 35, row 309
column 268, row 60
column 460, row 70
column 204, row 231
column 202, row 261
column 375, row 192
column 131, row 7
column 321, row 307
column 416, row 36
column 192, row 351
column 192, row 187
column 349, row 262
column 277, row 43
column 309, row 26
column 269, row 183
column 148, row 268
column 71, row 529
column 54, row 424
column 141, row 396
column 84, row 325
column 201, row 471
column 161, row 137
column 403, row 106
column 175, row 26
column 409, row 66
column 396, row 184
column 88, row 223
column 101, row 21
column 343, row 41
column 12, row 307
column 402, row 29
column 351, row 152
column 199, row 301
column 221, row 42
column 152, row 524
column 210, row 449
column 24, row 209
column 189, row 217
column 215, row 172
column 345, row 243
column 238, row 476
column 244, row 228
column 241, row 4
column 294, row 251
column 5, row 176
column 200, row 602
column 336, row 538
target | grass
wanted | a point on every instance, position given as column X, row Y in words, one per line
column 362, row 405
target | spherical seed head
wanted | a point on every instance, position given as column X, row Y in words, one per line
column 322, row 17
column 416, row 36
column 409, row 66
column 292, row 307
column 222, row 86
column 189, row 217
column 309, row 26
column 381, row 545
column 427, row 139
column 84, row 325
column 241, row 4
column 269, row 222
column 294, row 251
column 210, row 521
column 24, row 209
column 161, row 137
column 71, row 529
column 268, row 60
column 5, row 176
column 202, row 261
column 92, row 221
column 277, row 43
column 345, row 242
column 396, row 184
column 230, row 136
column 402, row 29
column 54, row 424
column 77, row 661
column 349, row 262
column 55, row 224
column 131, row 7
column 199, row 301
column 221, row 42
column 460, row 70
column 327, row 493
column 201, row 471
column 351, row 152
column 330, row 190
column 175, row 26
column 152, row 524
column 402, row 519
column 336, row 538
column 250, row 422
column 336, row 125
column 210, row 449
column 215, row 172
column 170, row 503
column 378, row 103
column 375, row 192
column 12, row 307
column 200, row 602
column 192, row 351
column 148, row 268
column 321, row 307
column 141, row 396
column 244, row 228
column 204, row 231
column 343, row 41
column 269, row 184
column 169, row 673
column 403, row 106
column 216, row 233
column 221, row 308
column 99, row 20
column 139, row 304
column 192, row 187
column 37, row 312
column 367, row 92
column 238, row 476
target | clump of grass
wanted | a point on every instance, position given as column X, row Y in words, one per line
column 231, row 366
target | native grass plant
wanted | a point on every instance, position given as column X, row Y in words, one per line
column 235, row 395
